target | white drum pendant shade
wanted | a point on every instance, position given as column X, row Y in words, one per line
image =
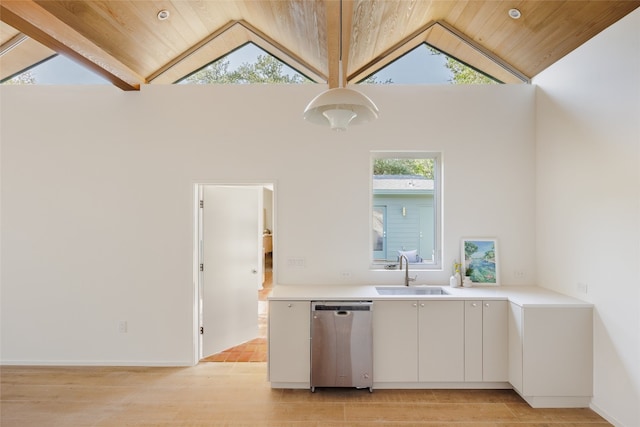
column 340, row 107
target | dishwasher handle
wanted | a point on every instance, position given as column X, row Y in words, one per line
column 339, row 307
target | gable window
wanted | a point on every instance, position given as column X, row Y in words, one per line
column 426, row 65
column 56, row 70
column 249, row 64
column 405, row 209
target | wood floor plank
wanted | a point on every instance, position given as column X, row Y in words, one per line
column 429, row 412
column 238, row 395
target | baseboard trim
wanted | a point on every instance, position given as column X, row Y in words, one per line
column 161, row 363
column 612, row 420
column 443, row 385
column 291, row 385
column 557, row 401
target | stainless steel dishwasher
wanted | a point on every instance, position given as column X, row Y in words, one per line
column 341, row 344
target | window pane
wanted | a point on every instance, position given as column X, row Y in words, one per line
column 379, row 227
column 58, row 70
column 404, row 208
column 248, row 64
column 427, row 65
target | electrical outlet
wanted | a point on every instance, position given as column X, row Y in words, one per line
column 582, row 287
column 122, row 326
column 345, row 273
column 296, row 262
column 519, row 274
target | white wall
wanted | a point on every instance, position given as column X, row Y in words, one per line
column 588, row 203
column 97, row 200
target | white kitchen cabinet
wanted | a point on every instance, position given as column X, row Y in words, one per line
column 549, row 342
column 515, row 346
column 486, row 337
column 418, row 341
column 395, row 341
column 473, row 341
column 551, row 355
column 289, row 343
column 441, row 341
column 495, row 352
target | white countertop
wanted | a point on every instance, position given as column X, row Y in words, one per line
column 524, row 296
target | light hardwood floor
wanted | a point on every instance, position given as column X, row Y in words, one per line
column 238, row 394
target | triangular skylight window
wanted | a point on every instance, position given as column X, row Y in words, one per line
column 57, row 70
column 246, row 65
column 427, row 65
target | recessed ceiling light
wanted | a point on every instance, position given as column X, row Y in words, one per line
column 514, row 13
column 163, row 15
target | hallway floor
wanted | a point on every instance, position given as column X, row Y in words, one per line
column 238, row 394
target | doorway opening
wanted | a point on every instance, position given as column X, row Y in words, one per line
column 235, row 254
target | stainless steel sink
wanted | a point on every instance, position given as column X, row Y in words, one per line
column 405, row 290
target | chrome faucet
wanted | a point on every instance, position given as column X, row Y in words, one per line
column 407, row 279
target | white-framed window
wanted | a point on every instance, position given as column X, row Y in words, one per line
column 406, row 206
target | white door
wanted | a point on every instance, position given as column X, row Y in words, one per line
column 232, row 265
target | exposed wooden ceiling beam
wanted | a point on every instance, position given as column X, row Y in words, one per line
column 31, row 19
column 347, row 23
column 124, row 41
column 339, row 22
column 333, row 42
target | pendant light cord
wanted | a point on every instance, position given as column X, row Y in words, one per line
column 340, row 49
column 340, row 81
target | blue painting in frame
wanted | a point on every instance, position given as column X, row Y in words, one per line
column 480, row 259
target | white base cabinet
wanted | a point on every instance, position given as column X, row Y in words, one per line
column 418, row 341
column 551, row 355
column 289, row 344
column 543, row 351
column 485, row 337
column 395, row 341
column 440, row 341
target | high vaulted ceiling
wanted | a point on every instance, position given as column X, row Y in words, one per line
column 125, row 42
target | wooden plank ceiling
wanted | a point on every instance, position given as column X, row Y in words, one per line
column 125, row 42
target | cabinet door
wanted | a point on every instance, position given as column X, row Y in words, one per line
column 473, row 359
column 495, row 353
column 557, row 352
column 515, row 346
column 441, row 341
column 395, row 345
column 289, row 346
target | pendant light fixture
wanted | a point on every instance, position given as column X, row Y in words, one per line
column 340, row 107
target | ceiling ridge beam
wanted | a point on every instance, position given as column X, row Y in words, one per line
column 29, row 18
column 339, row 22
column 333, row 32
column 346, row 23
